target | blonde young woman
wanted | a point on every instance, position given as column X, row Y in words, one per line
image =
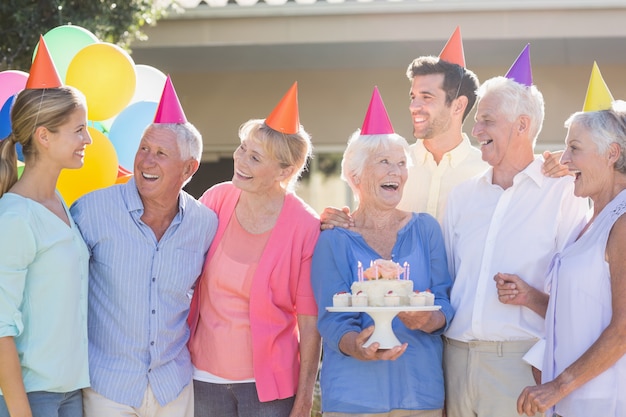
column 43, row 259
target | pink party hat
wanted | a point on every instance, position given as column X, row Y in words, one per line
column 169, row 110
column 285, row 117
column 453, row 50
column 521, row 71
column 376, row 120
column 598, row 95
column 43, row 73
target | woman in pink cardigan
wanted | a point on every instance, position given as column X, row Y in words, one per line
column 254, row 342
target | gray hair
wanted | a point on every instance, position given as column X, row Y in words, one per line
column 361, row 147
column 516, row 100
column 605, row 127
column 188, row 138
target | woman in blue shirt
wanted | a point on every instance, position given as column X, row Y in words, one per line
column 43, row 259
column 406, row 380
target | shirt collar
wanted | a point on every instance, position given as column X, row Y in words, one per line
column 532, row 171
column 454, row 157
column 134, row 203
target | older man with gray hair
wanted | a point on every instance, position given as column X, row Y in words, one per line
column 512, row 219
column 147, row 240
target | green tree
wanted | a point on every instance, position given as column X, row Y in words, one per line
column 22, row 21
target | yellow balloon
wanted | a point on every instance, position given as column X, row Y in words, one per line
column 105, row 73
column 98, row 171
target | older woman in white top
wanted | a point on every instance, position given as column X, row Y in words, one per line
column 584, row 372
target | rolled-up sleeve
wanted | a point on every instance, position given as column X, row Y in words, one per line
column 17, row 251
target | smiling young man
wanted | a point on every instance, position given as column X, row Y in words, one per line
column 442, row 95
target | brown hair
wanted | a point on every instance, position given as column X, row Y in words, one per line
column 34, row 108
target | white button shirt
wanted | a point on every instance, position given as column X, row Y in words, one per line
column 429, row 183
column 518, row 230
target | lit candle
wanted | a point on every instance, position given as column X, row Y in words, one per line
column 359, row 271
column 406, row 270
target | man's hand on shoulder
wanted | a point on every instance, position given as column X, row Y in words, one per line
column 333, row 217
column 552, row 166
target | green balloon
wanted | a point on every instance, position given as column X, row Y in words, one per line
column 64, row 42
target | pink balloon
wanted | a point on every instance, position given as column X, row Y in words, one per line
column 11, row 82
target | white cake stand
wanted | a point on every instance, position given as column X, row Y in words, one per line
column 382, row 316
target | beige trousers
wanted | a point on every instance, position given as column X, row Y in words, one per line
column 484, row 379
column 95, row 405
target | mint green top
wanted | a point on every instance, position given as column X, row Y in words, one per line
column 43, row 294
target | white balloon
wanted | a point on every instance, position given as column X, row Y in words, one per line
column 150, row 84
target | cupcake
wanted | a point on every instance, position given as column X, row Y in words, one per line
column 341, row 299
column 359, row 299
column 417, row 299
column 430, row 298
column 422, row 298
column 391, row 299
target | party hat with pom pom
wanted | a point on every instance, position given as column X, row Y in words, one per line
column 285, row 117
column 598, row 95
column 521, row 71
column 43, row 73
column 453, row 50
column 169, row 110
column 376, row 119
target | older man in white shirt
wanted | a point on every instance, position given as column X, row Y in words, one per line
column 512, row 219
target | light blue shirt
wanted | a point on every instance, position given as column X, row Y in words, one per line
column 43, row 294
column 414, row 381
column 139, row 292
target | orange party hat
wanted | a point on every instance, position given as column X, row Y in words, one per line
column 376, row 119
column 598, row 95
column 453, row 51
column 169, row 110
column 43, row 73
column 285, row 117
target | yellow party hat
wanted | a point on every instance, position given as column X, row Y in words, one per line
column 598, row 95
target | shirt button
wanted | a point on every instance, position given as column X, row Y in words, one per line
column 152, row 343
column 153, row 311
column 153, row 279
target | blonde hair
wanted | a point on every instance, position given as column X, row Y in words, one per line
column 34, row 108
column 290, row 150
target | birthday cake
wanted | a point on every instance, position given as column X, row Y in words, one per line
column 384, row 283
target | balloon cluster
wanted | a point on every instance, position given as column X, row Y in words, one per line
column 122, row 98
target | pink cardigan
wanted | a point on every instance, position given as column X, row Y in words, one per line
column 281, row 289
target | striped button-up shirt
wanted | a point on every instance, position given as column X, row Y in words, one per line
column 139, row 292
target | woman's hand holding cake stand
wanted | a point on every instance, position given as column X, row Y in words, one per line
column 353, row 344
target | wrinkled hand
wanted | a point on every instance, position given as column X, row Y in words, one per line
column 415, row 320
column 352, row 344
column 552, row 166
column 512, row 289
column 538, row 399
column 333, row 217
